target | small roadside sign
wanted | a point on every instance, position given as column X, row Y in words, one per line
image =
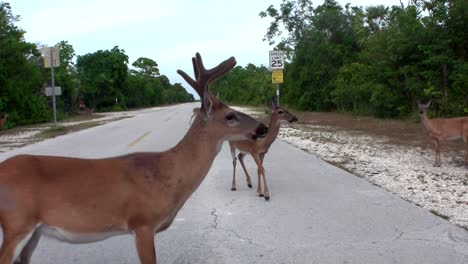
column 52, row 60
column 55, row 56
column 58, row 91
column 276, row 59
column 277, row 76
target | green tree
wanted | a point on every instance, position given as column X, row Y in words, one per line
column 380, row 60
column 20, row 77
column 323, row 40
column 445, row 48
column 250, row 85
column 146, row 67
column 65, row 78
column 103, row 78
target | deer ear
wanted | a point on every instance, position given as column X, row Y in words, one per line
column 271, row 105
column 207, row 106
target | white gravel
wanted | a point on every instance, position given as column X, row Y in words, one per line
column 10, row 141
column 402, row 170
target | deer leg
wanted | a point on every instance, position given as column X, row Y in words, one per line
column 437, row 154
column 265, row 186
column 466, row 155
column 247, row 176
column 466, row 149
column 14, row 239
column 144, row 238
column 26, row 253
column 234, row 162
column 259, row 173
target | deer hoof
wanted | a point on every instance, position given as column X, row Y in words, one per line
column 260, row 195
column 233, row 189
column 267, row 198
column 250, row 185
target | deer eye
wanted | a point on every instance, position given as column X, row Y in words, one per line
column 231, row 117
column 280, row 112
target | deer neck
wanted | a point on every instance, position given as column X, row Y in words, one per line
column 192, row 157
column 426, row 121
column 273, row 130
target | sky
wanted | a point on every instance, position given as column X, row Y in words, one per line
column 167, row 31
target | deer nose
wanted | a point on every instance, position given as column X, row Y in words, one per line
column 261, row 131
column 294, row 119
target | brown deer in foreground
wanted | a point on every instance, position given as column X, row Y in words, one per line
column 85, row 200
column 259, row 148
column 442, row 129
column 3, row 120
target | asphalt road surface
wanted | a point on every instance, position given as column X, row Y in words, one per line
column 317, row 212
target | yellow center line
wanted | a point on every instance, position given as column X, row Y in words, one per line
column 134, row 142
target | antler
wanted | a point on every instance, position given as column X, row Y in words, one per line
column 203, row 76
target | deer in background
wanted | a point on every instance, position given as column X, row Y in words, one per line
column 3, row 120
column 259, row 148
column 443, row 129
column 85, row 200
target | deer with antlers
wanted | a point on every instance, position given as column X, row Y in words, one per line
column 259, row 148
column 85, row 200
column 443, row 129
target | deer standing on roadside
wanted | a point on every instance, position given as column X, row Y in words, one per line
column 442, row 129
column 85, row 200
column 3, row 120
column 259, row 148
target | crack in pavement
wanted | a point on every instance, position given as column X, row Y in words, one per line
column 399, row 236
column 215, row 219
column 215, row 226
column 231, row 202
column 250, row 241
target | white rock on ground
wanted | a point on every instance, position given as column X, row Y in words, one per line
column 405, row 171
column 402, row 170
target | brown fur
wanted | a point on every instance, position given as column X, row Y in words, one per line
column 443, row 129
column 259, row 148
column 138, row 193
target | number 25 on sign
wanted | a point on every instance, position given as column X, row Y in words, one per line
column 276, row 59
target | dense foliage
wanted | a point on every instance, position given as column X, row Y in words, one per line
column 374, row 60
column 20, row 79
column 378, row 60
column 102, row 80
column 250, row 85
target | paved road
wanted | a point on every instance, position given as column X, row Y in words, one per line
column 317, row 213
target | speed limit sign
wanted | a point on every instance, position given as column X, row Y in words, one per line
column 276, row 59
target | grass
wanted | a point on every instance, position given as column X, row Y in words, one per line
column 62, row 130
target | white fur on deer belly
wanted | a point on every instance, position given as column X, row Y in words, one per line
column 78, row 238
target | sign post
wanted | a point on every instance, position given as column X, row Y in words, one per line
column 276, row 67
column 51, row 60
